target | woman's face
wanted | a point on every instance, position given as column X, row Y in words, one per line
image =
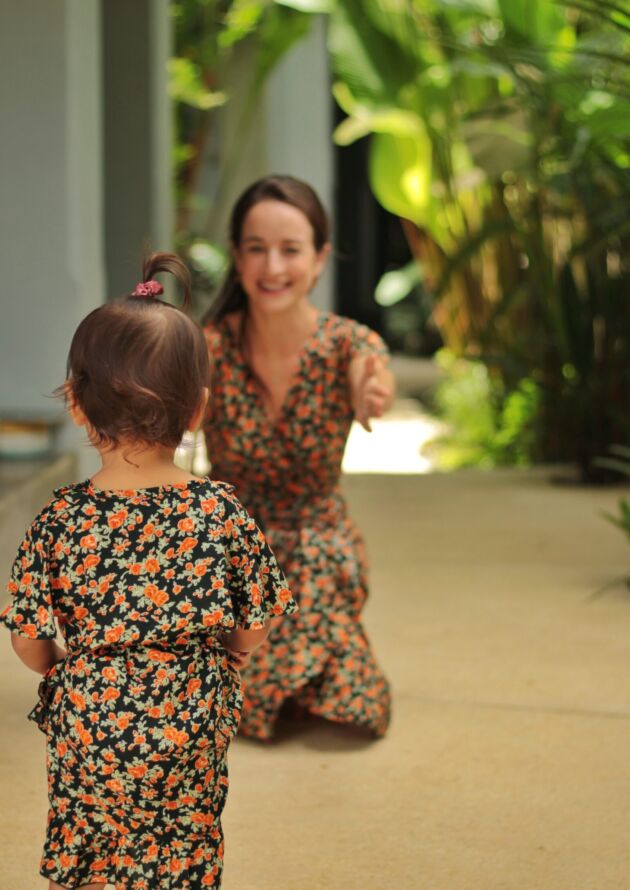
column 276, row 258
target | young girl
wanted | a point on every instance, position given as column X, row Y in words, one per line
column 287, row 381
column 158, row 581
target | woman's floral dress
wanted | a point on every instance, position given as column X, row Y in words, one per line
column 287, row 474
column 139, row 714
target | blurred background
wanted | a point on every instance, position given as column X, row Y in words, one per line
column 474, row 156
column 475, row 159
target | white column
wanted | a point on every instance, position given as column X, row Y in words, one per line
column 50, row 191
column 137, row 136
column 299, row 125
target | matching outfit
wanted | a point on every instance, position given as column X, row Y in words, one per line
column 287, row 474
column 139, row 715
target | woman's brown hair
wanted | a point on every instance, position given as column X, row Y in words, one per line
column 271, row 188
column 137, row 366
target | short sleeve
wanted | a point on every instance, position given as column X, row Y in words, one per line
column 364, row 341
column 30, row 611
column 258, row 587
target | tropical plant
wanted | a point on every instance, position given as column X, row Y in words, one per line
column 619, row 463
column 484, row 426
column 209, row 35
column 500, row 134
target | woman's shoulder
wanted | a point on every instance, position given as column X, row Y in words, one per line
column 353, row 335
column 221, row 337
column 217, row 330
column 343, row 326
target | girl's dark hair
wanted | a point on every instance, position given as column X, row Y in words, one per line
column 271, row 188
column 137, row 366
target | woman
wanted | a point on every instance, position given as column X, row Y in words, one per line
column 287, row 381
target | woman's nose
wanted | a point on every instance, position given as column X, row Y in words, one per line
column 274, row 262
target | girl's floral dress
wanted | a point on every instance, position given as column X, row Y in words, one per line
column 287, row 474
column 139, row 714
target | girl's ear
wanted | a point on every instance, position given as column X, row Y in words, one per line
column 74, row 409
column 197, row 418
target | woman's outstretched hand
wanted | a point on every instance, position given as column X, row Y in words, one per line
column 372, row 391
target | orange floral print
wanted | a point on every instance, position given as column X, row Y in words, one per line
column 139, row 715
column 287, row 474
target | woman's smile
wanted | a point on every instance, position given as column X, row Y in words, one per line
column 274, row 288
column 276, row 257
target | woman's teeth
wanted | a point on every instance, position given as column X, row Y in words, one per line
column 274, row 288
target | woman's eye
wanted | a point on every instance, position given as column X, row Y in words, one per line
column 292, row 250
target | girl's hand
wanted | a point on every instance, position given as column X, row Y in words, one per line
column 238, row 659
column 371, row 394
column 39, row 655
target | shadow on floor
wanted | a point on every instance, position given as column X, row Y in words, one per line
column 315, row 733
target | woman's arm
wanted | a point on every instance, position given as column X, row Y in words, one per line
column 372, row 388
column 38, row 655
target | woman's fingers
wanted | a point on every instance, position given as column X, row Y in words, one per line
column 369, row 369
column 377, row 390
column 373, row 396
column 376, row 408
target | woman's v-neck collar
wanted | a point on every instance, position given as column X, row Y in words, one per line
column 297, row 378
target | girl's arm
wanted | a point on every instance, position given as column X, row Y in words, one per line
column 241, row 640
column 371, row 388
column 38, row 655
column 240, row 643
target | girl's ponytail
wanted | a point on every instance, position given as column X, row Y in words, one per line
column 138, row 366
column 167, row 262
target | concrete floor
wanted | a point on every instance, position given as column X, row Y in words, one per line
column 506, row 767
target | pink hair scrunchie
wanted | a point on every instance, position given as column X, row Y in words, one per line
column 148, row 289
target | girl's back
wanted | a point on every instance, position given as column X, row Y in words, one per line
column 145, row 703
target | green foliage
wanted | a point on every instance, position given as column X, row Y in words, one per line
column 619, row 463
column 394, row 286
column 208, row 262
column 622, row 519
column 499, row 133
column 186, row 86
column 486, row 427
column 281, row 26
column 208, row 38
